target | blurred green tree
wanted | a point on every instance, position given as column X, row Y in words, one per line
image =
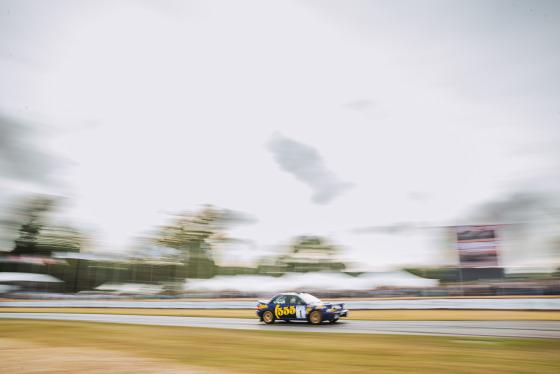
column 39, row 237
column 187, row 232
column 306, row 254
column 27, row 241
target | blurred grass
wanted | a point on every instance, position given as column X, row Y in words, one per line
column 295, row 352
column 373, row 315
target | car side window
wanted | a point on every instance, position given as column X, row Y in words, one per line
column 299, row 301
column 280, row 300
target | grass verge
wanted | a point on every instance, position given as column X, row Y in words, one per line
column 373, row 315
column 295, row 352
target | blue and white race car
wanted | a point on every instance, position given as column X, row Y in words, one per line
column 299, row 306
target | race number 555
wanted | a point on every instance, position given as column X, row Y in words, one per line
column 284, row 311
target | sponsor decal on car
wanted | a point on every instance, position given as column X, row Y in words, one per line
column 284, row 311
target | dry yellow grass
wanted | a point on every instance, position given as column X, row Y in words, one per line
column 221, row 350
column 41, row 358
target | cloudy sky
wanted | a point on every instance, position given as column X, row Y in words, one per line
column 314, row 117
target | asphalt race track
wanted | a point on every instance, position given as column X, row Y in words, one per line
column 504, row 329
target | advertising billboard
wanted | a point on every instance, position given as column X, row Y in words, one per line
column 477, row 245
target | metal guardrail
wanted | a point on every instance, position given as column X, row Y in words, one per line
column 485, row 304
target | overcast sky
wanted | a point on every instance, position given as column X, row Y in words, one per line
column 314, row 117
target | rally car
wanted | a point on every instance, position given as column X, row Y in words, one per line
column 299, row 306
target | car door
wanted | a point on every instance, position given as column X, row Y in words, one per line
column 301, row 308
column 296, row 307
column 280, row 307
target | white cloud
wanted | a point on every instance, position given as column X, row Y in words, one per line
column 170, row 106
column 306, row 164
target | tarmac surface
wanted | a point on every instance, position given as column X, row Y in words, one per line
column 502, row 329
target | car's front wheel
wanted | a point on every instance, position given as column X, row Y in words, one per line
column 315, row 317
column 268, row 317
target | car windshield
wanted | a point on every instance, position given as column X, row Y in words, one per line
column 309, row 298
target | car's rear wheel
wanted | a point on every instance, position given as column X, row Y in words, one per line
column 315, row 317
column 268, row 317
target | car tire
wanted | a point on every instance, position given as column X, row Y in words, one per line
column 268, row 317
column 315, row 317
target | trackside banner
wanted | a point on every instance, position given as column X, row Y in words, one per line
column 477, row 245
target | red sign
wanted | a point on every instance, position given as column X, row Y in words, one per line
column 477, row 245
